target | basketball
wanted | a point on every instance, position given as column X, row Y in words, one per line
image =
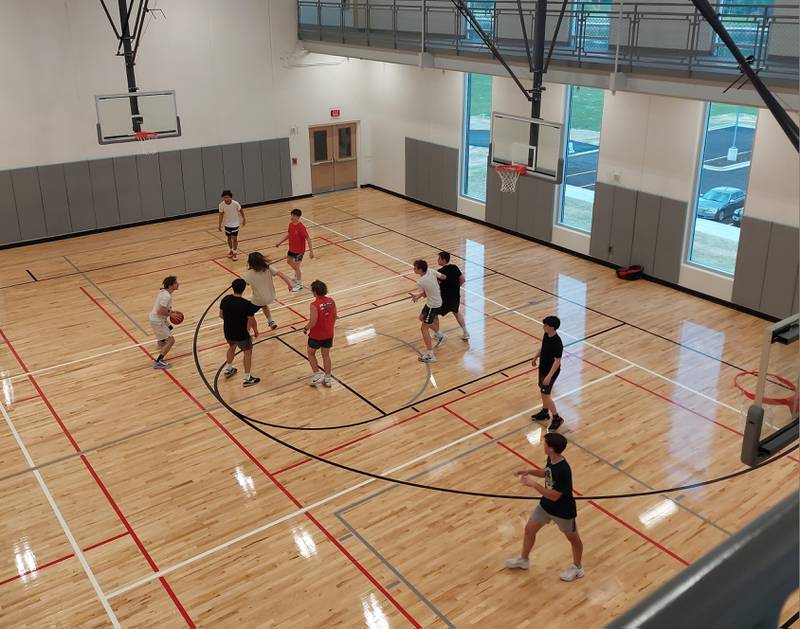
column 176, row 317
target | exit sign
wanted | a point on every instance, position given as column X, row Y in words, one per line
column 335, row 113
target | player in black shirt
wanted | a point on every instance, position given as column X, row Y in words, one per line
column 557, row 505
column 450, row 287
column 549, row 359
column 237, row 313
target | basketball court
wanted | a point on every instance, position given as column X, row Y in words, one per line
column 143, row 497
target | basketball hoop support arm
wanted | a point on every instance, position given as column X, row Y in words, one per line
column 539, row 20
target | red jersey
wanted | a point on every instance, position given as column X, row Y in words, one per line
column 297, row 237
column 326, row 317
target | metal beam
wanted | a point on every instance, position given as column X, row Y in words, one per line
column 465, row 11
column 786, row 123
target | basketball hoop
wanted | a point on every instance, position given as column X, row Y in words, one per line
column 789, row 400
column 142, row 138
column 509, row 175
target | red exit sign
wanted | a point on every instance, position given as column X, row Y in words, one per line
column 335, row 113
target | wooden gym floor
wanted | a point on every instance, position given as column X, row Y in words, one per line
column 131, row 495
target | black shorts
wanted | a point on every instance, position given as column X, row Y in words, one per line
column 231, row 231
column 429, row 314
column 549, row 387
column 242, row 344
column 320, row 343
column 451, row 307
column 297, row 257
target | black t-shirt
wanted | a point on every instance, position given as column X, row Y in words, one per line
column 558, row 476
column 552, row 348
column 450, row 288
column 235, row 312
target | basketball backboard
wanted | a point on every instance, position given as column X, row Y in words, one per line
column 118, row 120
column 510, row 143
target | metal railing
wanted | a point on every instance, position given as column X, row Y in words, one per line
column 627, row 36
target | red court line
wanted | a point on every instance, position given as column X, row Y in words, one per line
column 591, row 502
column 24, row 399
column 266, row 472
column 96, row 477
column 60, row 559
column 407, row 419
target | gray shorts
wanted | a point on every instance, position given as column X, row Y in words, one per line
column 540, row 516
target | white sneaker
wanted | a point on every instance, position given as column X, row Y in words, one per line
column 297, row 287
column 572, row 573
column 518, row 563
column 440, row 338
column 427, row 357
column 327, row 381
column 465, row 336
column 316, row 379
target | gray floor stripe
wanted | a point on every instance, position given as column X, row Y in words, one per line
column 104, row 294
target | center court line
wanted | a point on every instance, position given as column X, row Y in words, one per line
column 521, row 314
column 64, row 526
column 134, row 345
column 346, row 491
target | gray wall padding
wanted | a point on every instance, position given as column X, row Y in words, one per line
column 78, row 180
column 632, row 227
column 171, row 171
column 766, row 273
column 63, row 199
column 54, row 199
column 104, row 192
column 28, row 196
column 431, row 173
column 8, row 211
column 528, row 210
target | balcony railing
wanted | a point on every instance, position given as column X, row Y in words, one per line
column 630, row 37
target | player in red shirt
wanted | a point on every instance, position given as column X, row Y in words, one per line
column 319, row 328
column 298, row 237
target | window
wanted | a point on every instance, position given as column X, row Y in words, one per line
column 722, row 185
column 483, row 10
column 477, row 118
column 584, row 117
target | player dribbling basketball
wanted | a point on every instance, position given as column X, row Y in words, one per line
column 159, row 316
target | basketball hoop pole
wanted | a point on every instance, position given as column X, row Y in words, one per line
column 539, row 19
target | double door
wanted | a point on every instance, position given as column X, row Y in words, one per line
column 334, row 158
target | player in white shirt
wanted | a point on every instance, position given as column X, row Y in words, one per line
column 232, row 216
column 428, row 283
column 159, row 320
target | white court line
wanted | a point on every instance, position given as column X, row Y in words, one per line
column 64, row 526
column 25, row 374
column 521, row 314
column 352, row 488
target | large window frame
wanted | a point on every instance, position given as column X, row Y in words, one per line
column 562, row 209
column 690, row 258
column 477, row 159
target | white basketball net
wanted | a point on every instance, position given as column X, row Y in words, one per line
column 508, row 177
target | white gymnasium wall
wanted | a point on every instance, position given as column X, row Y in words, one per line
column 650, row 143
column 406, row 101
column 226, row 61
column 773, row 189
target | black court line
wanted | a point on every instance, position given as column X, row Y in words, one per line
column 363, row 398
column 176, row 253
column 594, row 334
column 556, row 295
column 791, row 621
column 31, row 274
